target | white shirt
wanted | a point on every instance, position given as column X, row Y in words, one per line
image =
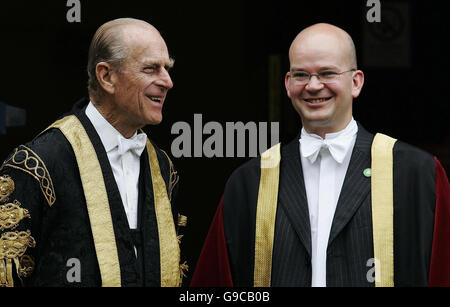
column 323, row 182
column 126, row 168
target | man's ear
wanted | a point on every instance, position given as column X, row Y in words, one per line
column 358, row 82
column 106, row 77
column 286, row 83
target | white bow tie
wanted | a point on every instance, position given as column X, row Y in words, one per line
column 135, row 144
column 338, row 146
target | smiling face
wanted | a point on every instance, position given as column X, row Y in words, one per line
column 323, row 107
column 141, row 85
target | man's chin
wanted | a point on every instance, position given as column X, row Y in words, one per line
column 317, row 116
column 154, row 121
column 316, row 120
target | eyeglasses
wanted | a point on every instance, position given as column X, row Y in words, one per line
column 303, row 77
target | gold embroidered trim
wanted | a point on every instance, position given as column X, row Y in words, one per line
column 13, row 246
column 265, row 216
column 168, row 241
column 11, row 214
column 32, row 164
column 182, row 220
column 96, row 199
column 183, row 269
column 6, row 187
column 173, row 178
column 383, row 209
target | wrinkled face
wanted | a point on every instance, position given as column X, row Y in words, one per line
column 325, row 107
column 142, row 84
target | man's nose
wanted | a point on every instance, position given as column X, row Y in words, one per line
column 314, row 84
column 164, row 79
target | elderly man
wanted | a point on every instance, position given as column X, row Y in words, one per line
column 90, row 201
column 337, row 206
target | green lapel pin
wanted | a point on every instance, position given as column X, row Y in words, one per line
column 368, row 172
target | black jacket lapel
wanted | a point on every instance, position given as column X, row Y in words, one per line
column 356, row 187
column 292, row 192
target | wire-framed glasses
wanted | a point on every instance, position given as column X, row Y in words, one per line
column 328, row 76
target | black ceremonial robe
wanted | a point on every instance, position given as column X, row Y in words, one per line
column 59, row 249
column 421, row 224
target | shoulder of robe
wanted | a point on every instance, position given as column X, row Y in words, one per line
column 34, row 159
column 250, row 170
column 24, row 176
column 414, row 158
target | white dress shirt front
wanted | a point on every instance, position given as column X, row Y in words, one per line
column 126, row 167
column 323, row 182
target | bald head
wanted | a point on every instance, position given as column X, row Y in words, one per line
column 111, row 44
column 323, row 34
column 121, row 30
column 123, row 22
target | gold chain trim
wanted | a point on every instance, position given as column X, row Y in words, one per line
column 11, row 214
column 28, row 161
column 6, row 187
column 13, row 246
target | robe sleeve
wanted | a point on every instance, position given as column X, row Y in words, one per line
column 440, row 255
column 213, row 268
column 25, row 188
